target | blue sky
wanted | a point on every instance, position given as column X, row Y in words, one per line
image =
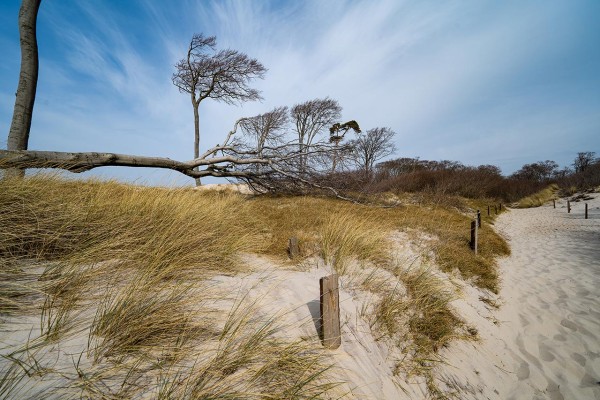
column 481, row 82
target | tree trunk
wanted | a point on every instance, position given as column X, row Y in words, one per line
column 196, row 133
column 334, row 159
column 81, row 162
column 18, row 136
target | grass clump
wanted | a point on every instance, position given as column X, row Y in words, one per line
column 540, row 198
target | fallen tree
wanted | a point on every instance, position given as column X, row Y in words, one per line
column 281, row 168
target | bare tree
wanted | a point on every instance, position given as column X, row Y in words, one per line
column 313, row 117
column 583, row 160
column 18, row 136
column 266, row 129
column 373, row 146
column 221, row 76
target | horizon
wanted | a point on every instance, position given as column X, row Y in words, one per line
column 476, row 82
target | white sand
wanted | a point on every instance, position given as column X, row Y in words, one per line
column 544, row 341
column 362, row 362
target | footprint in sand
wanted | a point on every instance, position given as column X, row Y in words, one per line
column 560, row 338
column 553, row 390
column 523, row 371
column 524, row 320
column 568, row 324
column 545, row 353
column 578, row 358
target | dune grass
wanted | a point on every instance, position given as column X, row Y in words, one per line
column 119, row 273
column 127, row 267
column 337, row 230
column 540, row 198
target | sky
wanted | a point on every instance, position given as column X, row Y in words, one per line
column 481, row 82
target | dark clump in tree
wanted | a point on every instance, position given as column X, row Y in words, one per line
column 219, row 75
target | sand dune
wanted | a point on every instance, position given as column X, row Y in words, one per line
column 544, row 340
column 540, row 336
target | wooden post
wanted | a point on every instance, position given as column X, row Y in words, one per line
column 488, row 210
column 330, row 311
column 495, row 209
column 586, row 213
column 293, row 247
column 554, row 203
column 500, row 206
column 478, row 219
column 473, row 243
column 568, row 206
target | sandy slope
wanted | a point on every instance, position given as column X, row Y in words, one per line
column 544, row 341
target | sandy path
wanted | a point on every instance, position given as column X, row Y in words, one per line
column 545, row 342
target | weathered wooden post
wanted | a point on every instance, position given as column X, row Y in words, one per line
column 568, row 206
column 473, row 243
column 330, row 311
column 488, row 210
column 586, row 213
column 495, row 209
column 500, row 206
column 293, row 247
column 478, row 219
column 554, row 203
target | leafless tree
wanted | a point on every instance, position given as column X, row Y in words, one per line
column 583, row 160
column 266, row 129
column 373, row 146
column 18, row 136
column 221, row 76
column 313, row 117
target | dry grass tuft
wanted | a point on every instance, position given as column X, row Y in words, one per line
column 538, row 199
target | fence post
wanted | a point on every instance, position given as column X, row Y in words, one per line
column 568, row 206
column 554, row 203
column 478, row 219
column 586, row 213
column 495, row 209
column 488, row 210
column 473, row 243
column 293, row 247
column 500, row 206
column 330, row 311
